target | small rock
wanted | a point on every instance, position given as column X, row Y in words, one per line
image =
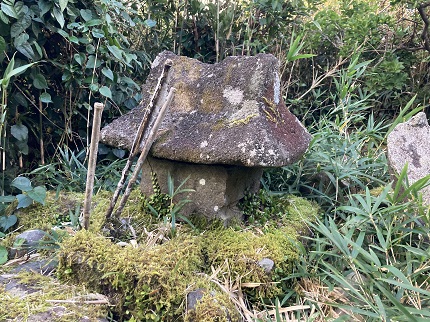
column 43, row 267
column 28, row 242
column 409, row 143
column 194, row 297
column 267, row 264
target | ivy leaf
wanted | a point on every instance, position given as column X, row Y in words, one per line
column 45, row 98
column 92, row 62
column 22, row 38
column 3, row 255
column 116, row 52
column 9, row 10
column 79, row 58
column 58, row 16
column 119, row 153
column 22, row 147
column 94, row 22
column 38, row 194
column 149, row 23
column 74, row 39
column 97, row 33
column 86, row 14
column 4, row 18
column 2, row 44
column 26, row 50
column 63, row 4
column 23, row 201
column 44, row 6
column 105, row 91
column 108, row 73
column 19, row 132
column 39, row 82
column 94, row 87
column 7, row 199
column 7, row 221
column 22, row 183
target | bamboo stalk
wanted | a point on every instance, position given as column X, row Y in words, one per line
column 138, row 138
column 148, row 143
column 95, row 134
column 42, row 148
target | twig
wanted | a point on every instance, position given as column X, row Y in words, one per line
column 425, row 19
column 98, row 110
column 42, row 149
column 153, row 128
column 138, row 139
column 78, row 301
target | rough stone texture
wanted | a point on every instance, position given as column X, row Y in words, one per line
column 217, row 188
column 31, row 239
column 226, row 113
column 43, row 267
column 194, row 297
column 409, row 143
column 267, row 264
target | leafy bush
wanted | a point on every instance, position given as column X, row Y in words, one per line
column 84, row 56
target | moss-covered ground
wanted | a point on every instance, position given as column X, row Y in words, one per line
column 147, row 272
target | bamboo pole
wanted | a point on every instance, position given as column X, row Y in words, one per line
column 144, row 125
column 153, row 128
column 95, row 136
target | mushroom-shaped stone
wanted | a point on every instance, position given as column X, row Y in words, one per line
column 409, row 143
column 226, row 122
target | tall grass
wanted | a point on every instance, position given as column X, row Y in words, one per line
column 368, row 258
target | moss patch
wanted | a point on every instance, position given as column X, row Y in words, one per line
column 71, row 305
column 150, row 282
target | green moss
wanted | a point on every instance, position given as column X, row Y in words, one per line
column 21, row 308
column 242, row 250
column 214, row 306
column 55, row 210
column 148, row 283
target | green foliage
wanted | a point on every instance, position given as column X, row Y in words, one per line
column 164, row 205
column 86, row 58
column 69, row 172
column 27, row 197
column 378, row 254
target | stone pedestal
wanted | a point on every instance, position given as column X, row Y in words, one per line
column 218, row 188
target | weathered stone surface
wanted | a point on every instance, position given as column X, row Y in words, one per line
column 409, row 143
column 27, row 241
column 43, row 267
column 267, row 264
column 194, row 297
column 226, row 113
column 217, row 188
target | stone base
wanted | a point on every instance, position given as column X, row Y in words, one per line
column 218, row 188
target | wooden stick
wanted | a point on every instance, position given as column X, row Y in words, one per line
column 138, row 138
column 95, row 136
column 148, row 143
column 42, row 148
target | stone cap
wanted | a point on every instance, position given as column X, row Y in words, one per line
column 231, row 112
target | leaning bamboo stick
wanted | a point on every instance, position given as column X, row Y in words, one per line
column 153, row 128
column 138, row 138
column 95, row 134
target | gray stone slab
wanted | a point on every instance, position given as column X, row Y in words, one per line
column 226, row 113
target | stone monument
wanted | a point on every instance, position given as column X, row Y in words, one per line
column 226, row 123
